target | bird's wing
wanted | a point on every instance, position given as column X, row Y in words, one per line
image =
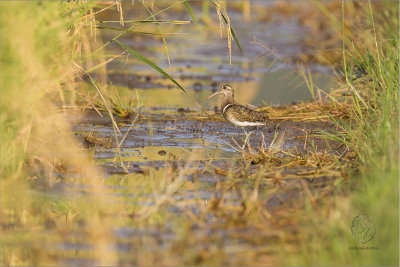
column 243, row 113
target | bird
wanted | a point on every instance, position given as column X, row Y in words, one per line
column 237, row 114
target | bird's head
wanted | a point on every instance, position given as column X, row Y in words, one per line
column 225, row 89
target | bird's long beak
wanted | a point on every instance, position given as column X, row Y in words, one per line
column 216, row 93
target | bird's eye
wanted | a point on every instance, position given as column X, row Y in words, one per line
column 223, row 87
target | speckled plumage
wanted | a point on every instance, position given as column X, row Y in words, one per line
column 242, row 115
column 237, row 114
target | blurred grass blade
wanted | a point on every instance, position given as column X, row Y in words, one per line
column 102, row 98
column 162, row 36
column 148, row 18
column 147, row 21
column 189, row 9
column 234, row 35
column 141, row 32
column 151, row 64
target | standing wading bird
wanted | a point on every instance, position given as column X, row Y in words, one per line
column 237, row 114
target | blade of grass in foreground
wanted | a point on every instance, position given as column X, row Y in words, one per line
column 162, row 36
column 141, row 32
column 147, row 21
column 233, row 34
column 189, row 9
column 151, row 64
column 148, row 18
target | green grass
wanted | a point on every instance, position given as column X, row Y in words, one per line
column 374, row 136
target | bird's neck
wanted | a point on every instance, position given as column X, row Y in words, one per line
column 228, row 99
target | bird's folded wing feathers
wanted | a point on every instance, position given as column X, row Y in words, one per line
column 243, row 113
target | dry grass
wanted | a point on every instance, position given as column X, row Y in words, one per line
column 310, row 111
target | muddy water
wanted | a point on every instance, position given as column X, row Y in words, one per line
column 178, row 136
